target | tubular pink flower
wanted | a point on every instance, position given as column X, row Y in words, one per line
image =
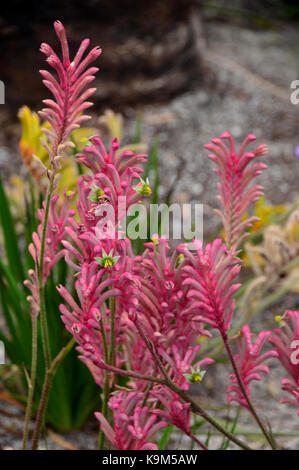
column 109, row 190
column 174, row 411
column 134, row 424
column 64, row 113
column 163, row 298
column 249, row 362
column 113, row 176
column 56, row 231
column 94, row 286
column 209, row 275
column 282, row 340
column 180, row 362
column 236, row 173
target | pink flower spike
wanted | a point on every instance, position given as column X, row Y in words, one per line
column 286, row 340
column 209, row 274
column 236, row 173
column 174, row 411
column 64, row 113
column 248, row 361
column 133, row 424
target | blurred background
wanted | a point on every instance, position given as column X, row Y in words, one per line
column 190, row 68
column 174, row 74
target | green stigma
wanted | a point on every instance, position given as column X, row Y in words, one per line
column 107, row 260
column 95, row 194
column 143, row 188
column 196, row 375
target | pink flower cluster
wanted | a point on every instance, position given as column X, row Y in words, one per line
column 286, row 341
column 175, row 297
column 55, row 233
column 65, row 112
column 145, row 314
column 249, row 362
column 134, row 424
column 236, row 173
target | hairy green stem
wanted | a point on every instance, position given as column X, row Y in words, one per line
column 131, row 373
column 41, row 290
column 31, row 381
column 198, row 442
column 110, row 360
column 112, row 305
column 46, row 390
column 194, row 406
column 106, row 385
column 43, row 316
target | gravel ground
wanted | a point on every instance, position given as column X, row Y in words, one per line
column 254, row 102
column 234, row 103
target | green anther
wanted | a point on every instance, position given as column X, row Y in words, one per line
column 107, row 260
column 143, row 188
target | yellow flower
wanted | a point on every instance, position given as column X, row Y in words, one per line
column 32, row 151
column 114, row 122
column 266, row 212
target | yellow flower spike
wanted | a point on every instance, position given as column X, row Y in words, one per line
column 266, row 212
column 16, row 192
column 201, row 339
column 114, row 123
column 292, row 228
column 31, row 134
column 32, row 149
column 80, row 137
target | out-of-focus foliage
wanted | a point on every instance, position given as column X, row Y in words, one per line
column 35, row 156
column 267, row 213
column 274, row 260
column 74, row 395
column 279, row 247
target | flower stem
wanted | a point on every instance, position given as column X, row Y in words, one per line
column 198, row 442
column 194, row 406
column 106, row 385
column 112, row 305
column 242, row 387
column 130, row 373
column 31, row 381
column 46, row 390
column 42, row 303
column 109, row 359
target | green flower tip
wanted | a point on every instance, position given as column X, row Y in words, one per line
column 87, row 140
column 196, row 375
column 143, row 188
column 280, row 319
column 95, row 194
column 107, row 261
column 180, row 259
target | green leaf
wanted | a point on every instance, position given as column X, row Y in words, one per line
column 233, row 428
column 136, row 138
column 10, row 238
column 165, row 437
